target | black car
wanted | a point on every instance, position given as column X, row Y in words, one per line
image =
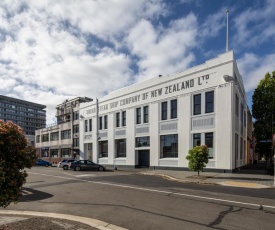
column 86, row 165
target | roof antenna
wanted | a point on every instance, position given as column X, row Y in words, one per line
column 227, row 11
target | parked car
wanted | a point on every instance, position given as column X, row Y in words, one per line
column 65, row 163
column 41, row 162
column 86, row 165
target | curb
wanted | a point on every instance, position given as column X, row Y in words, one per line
column 225, row 183
column 85, row 220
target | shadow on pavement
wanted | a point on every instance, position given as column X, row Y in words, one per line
column 29, row 194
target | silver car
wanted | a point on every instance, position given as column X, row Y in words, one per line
column 65, row 163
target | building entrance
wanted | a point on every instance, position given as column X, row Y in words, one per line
column 143, row 158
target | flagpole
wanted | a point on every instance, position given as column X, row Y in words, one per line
column 227, row 11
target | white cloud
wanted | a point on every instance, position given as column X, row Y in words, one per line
column 255, row 25
column 253, row 68
column 163, row 50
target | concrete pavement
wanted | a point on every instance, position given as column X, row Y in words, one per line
column 226, row 179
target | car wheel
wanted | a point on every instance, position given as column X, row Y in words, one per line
column 77, row 168
column 46, row 165
column 65, row 167
column 100, row 168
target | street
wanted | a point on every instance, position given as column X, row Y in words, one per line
column 134, row 201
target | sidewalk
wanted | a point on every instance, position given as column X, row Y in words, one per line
column 226, row 179
column 27, row 220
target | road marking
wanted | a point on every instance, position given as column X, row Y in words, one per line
column 86, row 175
column 25, row 192
column 161, row 191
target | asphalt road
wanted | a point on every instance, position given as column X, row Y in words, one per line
column 135, row 201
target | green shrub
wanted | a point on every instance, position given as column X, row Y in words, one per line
column 198, row 158
column 15, row 156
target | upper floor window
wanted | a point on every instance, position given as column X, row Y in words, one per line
column 86, row 125
column 105, row 122
column 209, row 102
column 90, row 125
column 237, row 106
column 75, row 115
column 138, row 115
column 117, row 119
column 54, row 136
column 197, row 104
column 174, row 109
column 100, row 123
column 145, row 114
column 37, row 139
column 124, row 118
column 66, row 134
column 76, row 129
column 45, row 137
column 164, row 110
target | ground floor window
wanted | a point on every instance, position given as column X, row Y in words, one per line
column 142, row 142
column 45, row 152
column 120, row 146
column 169, row 146
column 66, row 153
column 205, row 139
column 54, row 153
column 103, row 149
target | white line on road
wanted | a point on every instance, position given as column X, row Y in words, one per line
column 160, row 191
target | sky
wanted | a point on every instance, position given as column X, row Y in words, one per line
column 52, row 50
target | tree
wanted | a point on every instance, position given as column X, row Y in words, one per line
column 198, row 158
column 15, row 156
column 263, row 110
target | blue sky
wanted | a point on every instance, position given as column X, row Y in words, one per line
column 54, row 50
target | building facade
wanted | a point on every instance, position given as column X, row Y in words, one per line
column 154, row 123
column 28, row 115
column 61, row 141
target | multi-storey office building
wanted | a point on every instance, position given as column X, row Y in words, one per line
column 154, row 123
column 28, row 115
column 61, row 140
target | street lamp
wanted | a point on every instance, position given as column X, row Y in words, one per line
column 228, row 78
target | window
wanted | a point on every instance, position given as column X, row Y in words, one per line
column 75, row 142
column 75, row 128
column 209, row 102
column 244, row 149
column 142, row 141
column 169, row 146
column 197, row 104
column 242, row 112
column 124, row 118
column 174, row 109
column 90, row 146
column 164, row 110
column 54, row 153
column 120, row 146
column 117, row 119
column 45, row 137
column 145, row 114
column 65, row 153
column 209, row 143
column 103, row 149
column 105, row 122
column 237, row 106
column 100, row 123
column 54, row 136
column 90, row 125
column 236, row 147
column 86, row 125
column 138, row 113
column 66, row 134
column 37, row 139
column 196, row 139
column 244, row 118
column 75, row 115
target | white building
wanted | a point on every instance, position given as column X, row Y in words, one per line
column 155, row 122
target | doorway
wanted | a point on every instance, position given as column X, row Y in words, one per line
column 144, row 158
